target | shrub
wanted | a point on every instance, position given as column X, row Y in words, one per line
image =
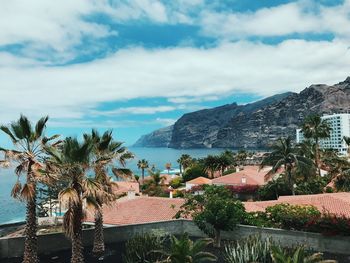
column 141, row 248
column 260, row 219
column 273, row 189
column 193, row 172
column 292, row 216
column 176, row 182
column 329, row 224
column 243, row 189
column 252, row 249
column 312, row 186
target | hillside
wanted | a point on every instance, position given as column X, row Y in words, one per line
column 255, row 125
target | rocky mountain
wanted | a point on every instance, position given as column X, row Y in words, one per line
column 255, row 125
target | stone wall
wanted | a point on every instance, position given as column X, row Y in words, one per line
column 13, row 247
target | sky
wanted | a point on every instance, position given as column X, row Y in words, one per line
column 136, row 66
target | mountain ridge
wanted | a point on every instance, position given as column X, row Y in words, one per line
column 253, row 125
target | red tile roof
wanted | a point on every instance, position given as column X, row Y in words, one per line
column 252, row 174
column 122, row 187
column 140, row 210
column 199, row 181
column 335, row 203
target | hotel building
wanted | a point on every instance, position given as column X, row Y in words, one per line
column 340, row 127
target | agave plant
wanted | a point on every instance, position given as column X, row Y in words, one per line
column 27, row 154
column 300, row 255
column 184, row 250
column 252, row 249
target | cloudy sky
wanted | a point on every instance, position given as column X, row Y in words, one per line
column 138, row 65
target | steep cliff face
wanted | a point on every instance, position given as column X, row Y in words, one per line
column 254, row 125
column 158, row 138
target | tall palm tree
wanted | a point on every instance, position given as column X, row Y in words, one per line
column 143, row 165
column 211, row 164
column 284, row 155
column 223, row 161
column 315, row 128
column 28, row 155
column 184, row 161
column 106, row 152
column 168, row 167
column 70, row 162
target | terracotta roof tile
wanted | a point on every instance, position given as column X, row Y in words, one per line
column 199, row 181
column 252, row 175
column 140, row 210
column 122, row 187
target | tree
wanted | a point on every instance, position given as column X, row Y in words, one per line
column 184, row 250
column 196, row 170
column 214, row 211
column 70, row 162
column 106, row 154
column 211, row 164
column 284, row 155
column 223, row 161
column 184, row 161
column 28, row 156
column 168, row 167
column 315, row 128
column 347, row 141
column 154, row 186
column 143, row 164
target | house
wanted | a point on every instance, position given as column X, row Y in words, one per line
column 123, row 187
column 138, row 210
column 197, row 182
column 335, row 203
column 249, row 175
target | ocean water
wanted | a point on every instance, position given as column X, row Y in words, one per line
column 12, row 210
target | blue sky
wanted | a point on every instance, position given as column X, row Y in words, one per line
column 135, row 66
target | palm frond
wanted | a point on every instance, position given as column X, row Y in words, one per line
column 69, row 196
column 6, row 130
column 28, row 192
column 40, row 126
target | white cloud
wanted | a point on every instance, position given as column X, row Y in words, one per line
column 183, row 100
column 166, row 121
column 296, row 17
column 71, row 91
column 134, row 110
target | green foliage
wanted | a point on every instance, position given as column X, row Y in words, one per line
column 299, row 255
column 184, row 250
column 196, row 170
column 176, row 182
column 260, row 219
column 292, row 216
column 329, row 224
column 229, row 171
column 342, row 182
column 141, row 248
column 252, row 249
column 314, row 185
column 273, row 189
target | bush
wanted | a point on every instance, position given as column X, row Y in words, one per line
column 193, row 172
column 273, row 189
column 294, row 217
column 252, row 249
column 176, row 182
column 140, row 248
column 260, row 219
column 329, row 224
column 312, row 186
column 243, row 189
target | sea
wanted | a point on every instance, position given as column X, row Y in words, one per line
column 12, row 210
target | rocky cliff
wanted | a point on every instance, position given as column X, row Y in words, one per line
column 254, row 125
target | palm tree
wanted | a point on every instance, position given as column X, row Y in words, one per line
column 143, row 164
column 315, row 128
column 156, row 178
column 211, row 164
column 168, row 167
column 284, row 155
column 70, row 161
column 184, row 161
column 105, row 152
column 223, row 161
column 184, row 250
column 27, row 154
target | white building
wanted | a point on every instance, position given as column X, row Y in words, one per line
column 340, row 127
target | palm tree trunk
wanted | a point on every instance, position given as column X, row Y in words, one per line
column 290, row 181
column 317, row 158
column 77, row 238
column 99, row 245
column 31, row 240
column 143, row 175
column 180, row 168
